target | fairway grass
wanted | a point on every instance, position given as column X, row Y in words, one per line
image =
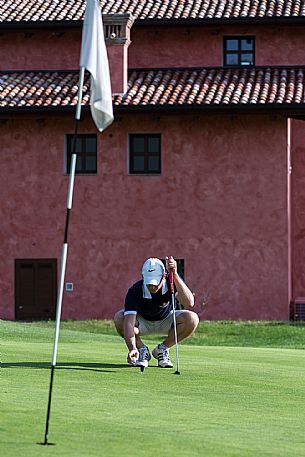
column 228, row 401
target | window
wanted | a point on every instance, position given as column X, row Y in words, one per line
column 238, row 51
column 180, row 267
column 86, row 149
column 145, row 154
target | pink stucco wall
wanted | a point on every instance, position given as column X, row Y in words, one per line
column 220, row 204
column 118, row 66
column 40, row 49
column 150, row 47
column 56, row 50
column 203, row 46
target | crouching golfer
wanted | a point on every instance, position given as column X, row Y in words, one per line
column 148, row 310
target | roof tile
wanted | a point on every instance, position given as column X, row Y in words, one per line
column 73, row 10
column 175, row 87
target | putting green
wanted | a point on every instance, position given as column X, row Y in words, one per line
column 228, row 401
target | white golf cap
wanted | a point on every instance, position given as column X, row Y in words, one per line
column 152, row 271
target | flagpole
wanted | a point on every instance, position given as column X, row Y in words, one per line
column 64, row 253
column 93, row 58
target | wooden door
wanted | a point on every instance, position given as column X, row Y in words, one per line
column 35, row 289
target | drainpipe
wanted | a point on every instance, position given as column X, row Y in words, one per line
column 289, row 214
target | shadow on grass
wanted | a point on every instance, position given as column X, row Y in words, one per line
column 101, row 367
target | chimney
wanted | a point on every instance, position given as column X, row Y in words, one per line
column 117, row 36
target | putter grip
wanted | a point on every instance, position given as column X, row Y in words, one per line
column 171, row 280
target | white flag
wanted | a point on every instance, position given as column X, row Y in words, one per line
column 94, row 58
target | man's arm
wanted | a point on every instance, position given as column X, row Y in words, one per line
column 184, row 295
column 130, row 338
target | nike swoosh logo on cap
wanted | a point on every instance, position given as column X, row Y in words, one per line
column 149, row 271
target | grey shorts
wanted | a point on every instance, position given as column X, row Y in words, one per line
column 157, row 327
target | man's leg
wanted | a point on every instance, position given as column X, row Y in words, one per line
column 187, row 323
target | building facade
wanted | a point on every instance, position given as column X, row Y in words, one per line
column 204, row 160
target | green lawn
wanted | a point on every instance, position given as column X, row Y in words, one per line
column 229, row 401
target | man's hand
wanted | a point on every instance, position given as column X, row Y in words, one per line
column 184, row 295
column 132, row 356
column 171, row 264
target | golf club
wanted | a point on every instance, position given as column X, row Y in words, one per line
column 171, row 280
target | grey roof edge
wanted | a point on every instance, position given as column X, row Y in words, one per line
column 285, row 109
column 155, row 22
column 25, row 25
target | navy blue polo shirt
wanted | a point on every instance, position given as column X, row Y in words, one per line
column 152, row 307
